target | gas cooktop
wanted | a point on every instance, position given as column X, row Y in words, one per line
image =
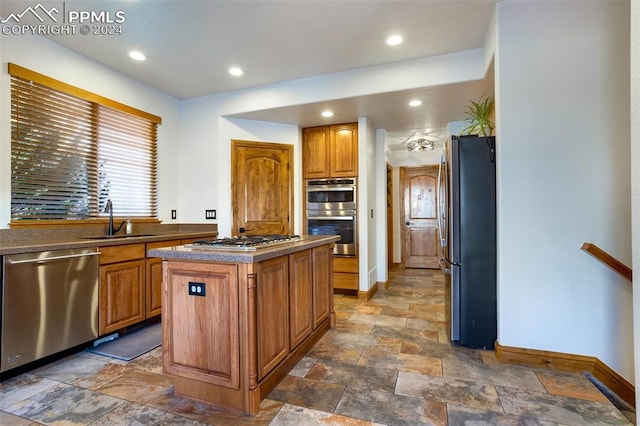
column 244, row 243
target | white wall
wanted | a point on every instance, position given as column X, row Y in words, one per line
column 204, row 145
column 380, row 168
column 635, row 181
column 205, row 159
column 46, row 57
column 397, row 219
column 262, row 132
column 367, row 194
column 562, row 99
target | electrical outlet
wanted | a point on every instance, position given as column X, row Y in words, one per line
column 209, row 214
column 174, row 214
column 196, row 289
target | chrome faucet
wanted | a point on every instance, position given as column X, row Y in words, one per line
column 109, row 209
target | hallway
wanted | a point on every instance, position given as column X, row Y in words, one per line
column 388, row 362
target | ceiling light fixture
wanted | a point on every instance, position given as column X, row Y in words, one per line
column 236, row 71
column 327, row 114
column 421, row 144
column 394, row 40
column 138, row 56
column 415, row 103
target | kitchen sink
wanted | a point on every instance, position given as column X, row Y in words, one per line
column 112, row 237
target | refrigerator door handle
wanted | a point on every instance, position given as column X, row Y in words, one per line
column 445, row 266
column 449, row 263
column 441, row 205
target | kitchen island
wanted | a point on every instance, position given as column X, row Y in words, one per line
column 235, row 322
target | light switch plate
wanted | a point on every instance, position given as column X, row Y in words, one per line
column 209, row 214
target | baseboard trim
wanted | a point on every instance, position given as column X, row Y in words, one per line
column 615, row 382
column 366, row 295
column 568, row 362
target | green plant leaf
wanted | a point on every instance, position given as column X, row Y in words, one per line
column 479, row 117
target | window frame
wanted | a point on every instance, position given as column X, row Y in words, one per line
column 98, row 102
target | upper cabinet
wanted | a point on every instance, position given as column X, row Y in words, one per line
column 330, row 151
column 315, row 152
column 343, row 150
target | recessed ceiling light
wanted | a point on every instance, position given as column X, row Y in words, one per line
column 138, row 56
column 394, row 40
column 415, row 103
column 327, row 113
column 235, row 71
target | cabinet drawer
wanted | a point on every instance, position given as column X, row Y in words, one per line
column 124, row 253
column 158, row 244
column 345, row 264
column 345, row 281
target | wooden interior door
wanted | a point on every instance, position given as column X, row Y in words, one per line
column 261, row 188
column 420, row 229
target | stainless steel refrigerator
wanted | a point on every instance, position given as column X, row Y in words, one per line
column 467, row 224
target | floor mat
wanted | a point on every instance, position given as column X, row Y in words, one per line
column 131, row 345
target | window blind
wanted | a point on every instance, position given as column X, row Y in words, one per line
column 69, row 155
column 127, row 163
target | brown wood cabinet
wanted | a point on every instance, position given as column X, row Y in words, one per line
column 153, row 275
column 131, row 284
column 327, row 152
column 153, row 279
column 201, row 333
column 273, row 314
column 345, row 273
column 122, row 287
column 330, row 151
column 255, row 321
column 300, row 297
column 322, row 284
column 153, row 287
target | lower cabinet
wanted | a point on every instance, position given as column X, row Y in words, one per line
column 130, row 284
column 253, row 319
column 153, row 287
column 122, row 287
column 201, row 332
column 273, row 313
column 300, row 297
column 153, row 279
column 322, row 263
column 345, row 273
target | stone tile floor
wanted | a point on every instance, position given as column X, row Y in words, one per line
column 387, row 362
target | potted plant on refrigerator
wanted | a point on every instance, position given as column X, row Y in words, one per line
column 479, row 118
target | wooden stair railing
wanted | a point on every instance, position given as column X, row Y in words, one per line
column 608, row 260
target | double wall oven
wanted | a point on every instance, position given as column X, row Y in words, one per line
column 331, row 210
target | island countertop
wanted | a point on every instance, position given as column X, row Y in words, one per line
column 204, row 254
column 29, row 240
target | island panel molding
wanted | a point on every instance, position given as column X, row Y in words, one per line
column 198, row 326
column 257, row 316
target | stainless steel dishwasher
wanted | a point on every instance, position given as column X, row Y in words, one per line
column 49, row 304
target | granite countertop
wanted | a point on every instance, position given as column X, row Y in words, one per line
column 239, row 256
column 15, row 241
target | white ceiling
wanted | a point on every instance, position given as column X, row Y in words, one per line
column 190, row 45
